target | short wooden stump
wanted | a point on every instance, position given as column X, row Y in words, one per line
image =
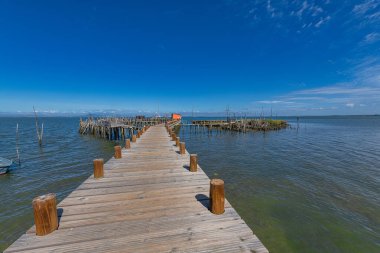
column 217, row 196
column 117, row 152
column 45, row 214
column 98, row 168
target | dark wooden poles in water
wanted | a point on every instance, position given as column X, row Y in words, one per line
column 45, row 214
column 98, row 168
column 117, row 152
column 217, row 196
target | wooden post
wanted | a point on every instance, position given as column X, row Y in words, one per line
column 217, row 196
column 127, row 144
column 98, row 168
column 138, row 134
column 45, row 214
column 174, row 136
column 193, row 162
column 133, row 138
column 177, row 141
column 182, row 148
column 117, row 152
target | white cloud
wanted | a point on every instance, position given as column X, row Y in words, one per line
column 366, row 6
column 274, row 102
column 322, row 21
column 304, row 7
column 371, row 38
column 351, row 105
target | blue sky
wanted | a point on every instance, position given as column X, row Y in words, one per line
column 296, row 57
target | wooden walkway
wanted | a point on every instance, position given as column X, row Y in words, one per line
column 148, row 201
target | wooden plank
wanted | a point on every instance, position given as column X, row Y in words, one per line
column 148, row 201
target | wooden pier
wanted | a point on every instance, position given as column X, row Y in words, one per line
column 149, row 200
column 114, row 128
column 243, row 125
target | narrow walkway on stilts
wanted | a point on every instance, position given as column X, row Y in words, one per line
column 147, row 201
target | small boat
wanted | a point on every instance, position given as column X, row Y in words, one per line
column 4, row 165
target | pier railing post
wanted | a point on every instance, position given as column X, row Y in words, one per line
column 193, row 162
column 177, row 141
column 98, row 168
column 45, row 214
column 127, row 144
column 182, row 148
column 117, row 152
column 133, row 138
column 217, row 196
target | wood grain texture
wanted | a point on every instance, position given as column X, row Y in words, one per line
column 147, row 201
column 117, row 152
column 193, row 162
column 98, row 168
column 127, row 144
column 217, row 198
column 45, row 214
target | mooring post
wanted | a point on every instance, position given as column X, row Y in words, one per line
column 133, row 138
column 174, row 136
column 45, row 214
column 182, row 148
column 117, row 152
column 193, row 162
column 127, row 144
column 177, row 141
column 217, row 196
column 98, row 168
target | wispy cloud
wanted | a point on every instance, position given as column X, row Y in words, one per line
column 362, row 91
column 274, row 102
column 365, row 7
column 371, row 38
column 322, row 21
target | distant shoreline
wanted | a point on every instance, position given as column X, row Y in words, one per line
column 59, row 115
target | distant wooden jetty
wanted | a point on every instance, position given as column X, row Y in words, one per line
column 114, row 128
column 151, row 197
column 243, row 125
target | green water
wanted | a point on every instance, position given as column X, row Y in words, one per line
column 311, row 189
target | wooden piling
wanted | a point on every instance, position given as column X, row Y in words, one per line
column 182, row 149
column 193, row 162
column 127, row 144
column 45, row 214
column 98, row 168
column 177, row 141
column 133, row 138
column 217, row 196
column 117, row 152
column 174, row 136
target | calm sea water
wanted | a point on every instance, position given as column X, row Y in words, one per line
column 315, row 188
column 59, row 166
